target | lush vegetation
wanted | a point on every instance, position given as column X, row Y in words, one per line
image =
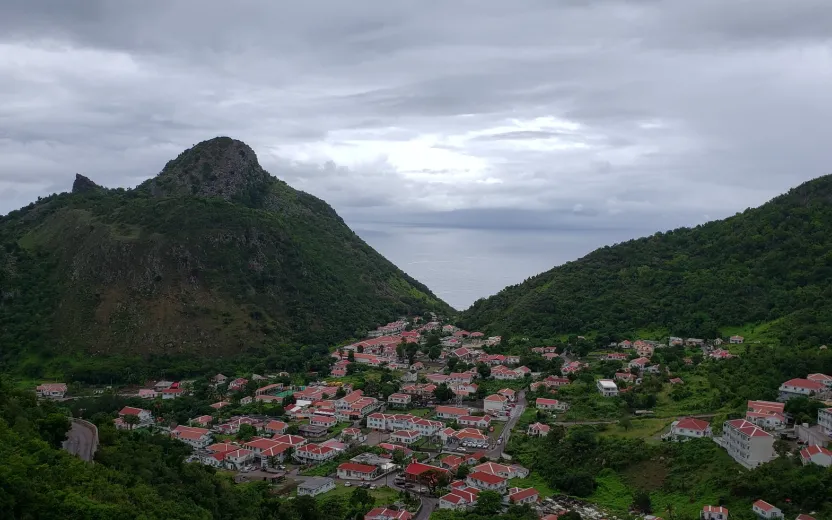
column 766, row 265
column 189, row 263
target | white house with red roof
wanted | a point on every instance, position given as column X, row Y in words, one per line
column 202, row 420
column 148, row 393
column 311, row 453
column 768, row 415
column 615, row 356
column 239, row 458
column 400, row 399
column 550, row 405
column 327, row 421
column 713, row 513
column 823, row 379
column 382, row 513
column 481, row 422
column 470, row 437
column 519, row 496
column 406, row 437
column 291, row 440
column 816, row 455
column 736, row 340
column 51, row 390
column 145, row 417
column 195, row 437
column 638, row 363
column 390, row 448
column 538, row 430
column 825, row 420
column 509, row 394
column 746, row 443
column 572, row 367
column 495, row 404
column 502, row 470
column 486, row 481
column 503, row 373
column 355, row 471
column 800, row 388
column 460, row 498
column 451, row 412
column 626, row 377
column 689, row 428
column 765, row 510
column 237, row 384
column 417, row 470
column 275, row 427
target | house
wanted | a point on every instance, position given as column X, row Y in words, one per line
column 145, row 417
column 495, row 404
column 220, row 404
column 275, row 427
column 291, row 440
column 803, row 516
column 736, row 340
column 689, row 428
column 202, row 420
column 437, row 378
column 354, row 471
column 327, row 421
column 416, row 471
column 509, row 394
column 768, row 415
column 353, row 435
column 239, row 458
column 823, row 379
column 638, row 364
column 694, row 342
column 486, row 481
column 482, row 422
column 237, row 384
column 451, row 412
column 172, row 393
column 765, row 510
column 607, row 387
column 390, row 448
column 382, row 513
column 676, row 381
column 338, row 371
column 627, row 377
column 816, row 455
column 572, row 367
column 501, row 470
column 800, row 387
column 51, row 390
column 503, row 373
column 277, row 451
column 405, row 437
column 720, row 354
column 825, row 420
column 195, row 437
column 315, row 486
column 615, row 356
column 520, row 496
column 219, row 379
column 554, row 381
column 713, row 513
column 551, row 404
column 399, row 399
column 460, row 497
column 162, row 385
column 538, row 430
column 746, row 443
column 625, row 344
column 148, row 393
column 471, row 437
column 452, row 462
column 310, row 453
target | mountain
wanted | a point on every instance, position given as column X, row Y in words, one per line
column 767, row 268
column 211, row 258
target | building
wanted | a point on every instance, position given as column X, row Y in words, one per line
column 275, row 427
column 689, row 428
column 399, row 399
column 495, row 404
column 382, row 513
column 51, row 390
column 607, row 387
column 736, row 340
column 800, row 388
column 416, row 471
column 451, row 412
column 638, row 364
column 355, row 471
column 460, row 498
column 311, row 453
column 326, row 421
column 502, row 470
column 816, row 455
column 823, row 379
column 509, row 394
column 713, row 513
column 520, row 496
column 405, row 437
column 766, row 414
column 144, row 416
column 202, row 420
column 238, row 458
column 486, row 481
column 765, row 510
column 481, row 422
column 538, row 430
column 825, row 420
column 551, row 404
column 195, row 437
column 503, row 373
column 747, row 443
column 315, row 486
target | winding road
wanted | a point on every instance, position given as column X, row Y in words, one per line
column 81, row 440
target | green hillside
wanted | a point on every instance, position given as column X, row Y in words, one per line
column 210, row 259
column 771, row 265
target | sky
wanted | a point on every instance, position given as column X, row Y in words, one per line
column 475, row 143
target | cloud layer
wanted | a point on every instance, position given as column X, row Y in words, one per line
column 629, row 115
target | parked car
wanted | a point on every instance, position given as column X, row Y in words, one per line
column 347, row 484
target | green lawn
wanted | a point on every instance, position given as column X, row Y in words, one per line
column 383, row 495
column 702, row 399
column 533, row 480
column 420, row 412
column 647, row 429
column 499, row 426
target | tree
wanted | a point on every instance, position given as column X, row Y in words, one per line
column 246, row 432
column 288, row 401
column 462, row 471
column 53, row 428
column 340, row 392
column 641, row 502
column 489, row 504
column 399, row 457
column 483, row 370
column 351, row 356
column 434, row 479
column 570, row 515
column 131, row 421
column 360, row 349
column 400, row 350
column 452, row 363
column 443, row 393
column 360, row 497
column 434, row 353
column 625, row 423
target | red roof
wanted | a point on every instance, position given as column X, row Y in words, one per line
column 488, row 478
column 804, row 383
column 523, row 494
column 357, row 468
column 763, row 505
column 810, row 451
column 383, row 512
column 715, row 509
column 692, row 424
column 417, row 468
column 129, row 410
column 747, row 428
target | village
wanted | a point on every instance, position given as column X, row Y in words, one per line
column 420, row 414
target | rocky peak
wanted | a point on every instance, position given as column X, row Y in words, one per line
column 220, row 167
column 84, row 185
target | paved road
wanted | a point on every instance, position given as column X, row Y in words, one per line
column 497, row 451
column 80, row 441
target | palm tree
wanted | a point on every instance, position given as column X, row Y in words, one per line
column 131, row 421
column 670, row 510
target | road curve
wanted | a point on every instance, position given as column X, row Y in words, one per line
column 82, row 440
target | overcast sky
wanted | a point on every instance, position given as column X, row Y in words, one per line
column 453, row 119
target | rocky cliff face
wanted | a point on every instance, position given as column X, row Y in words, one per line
column 84, row 185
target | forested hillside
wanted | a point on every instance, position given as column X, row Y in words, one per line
column 772, row 264
column 210, row 259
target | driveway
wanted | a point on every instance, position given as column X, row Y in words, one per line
column 497, row 451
